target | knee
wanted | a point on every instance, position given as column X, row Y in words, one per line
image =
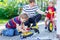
column 26, row 23
column 9, row 32
column 46, row 19
column 39, row 15
column 16, row 32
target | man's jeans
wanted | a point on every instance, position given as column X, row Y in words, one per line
column 33, row 20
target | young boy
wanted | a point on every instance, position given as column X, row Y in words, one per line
column 11, row 26
column 50, row 13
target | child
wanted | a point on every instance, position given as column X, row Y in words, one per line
column 50, row 13
column 12, row 25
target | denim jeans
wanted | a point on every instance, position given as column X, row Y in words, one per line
column 10, row 32
column 33, row 20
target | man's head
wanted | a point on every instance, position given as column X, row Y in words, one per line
column 23, row 17
column 51, row 4
column 32, row 2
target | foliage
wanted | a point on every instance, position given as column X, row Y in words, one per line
column 9, row 8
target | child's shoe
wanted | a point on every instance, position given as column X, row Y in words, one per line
column 0, row 32
column 55, row 29
column 45, row 27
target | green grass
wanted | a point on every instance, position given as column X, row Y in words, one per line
column 2, row 21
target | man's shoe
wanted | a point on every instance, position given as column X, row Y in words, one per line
column 37, row 31
column 35, row 27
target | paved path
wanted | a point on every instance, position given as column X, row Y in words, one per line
column 44, row 35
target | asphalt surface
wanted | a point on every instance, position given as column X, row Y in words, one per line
column 43, row 35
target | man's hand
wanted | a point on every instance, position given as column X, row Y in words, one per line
column 40, row 12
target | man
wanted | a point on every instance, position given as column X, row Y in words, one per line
column 31, row 10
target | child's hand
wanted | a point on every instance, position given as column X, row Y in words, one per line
column 18, row 28
column 27, row 28
column 50, row 11
column 46, row 13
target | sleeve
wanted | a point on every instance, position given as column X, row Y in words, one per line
column 23, row 10
column 54, row 9
column 37, row 7
column 47, row 9
column 39, row 11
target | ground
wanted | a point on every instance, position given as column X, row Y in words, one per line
column 43, row 35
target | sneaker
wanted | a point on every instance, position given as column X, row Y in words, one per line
column 36, row 31
column 35, row 27
column 0, row 32
column 55, row 29
column 45, row 27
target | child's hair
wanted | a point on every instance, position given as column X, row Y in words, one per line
column 51, row 2
column 24, row 15
column 31, row 1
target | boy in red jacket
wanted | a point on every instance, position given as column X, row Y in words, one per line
column 50, row 13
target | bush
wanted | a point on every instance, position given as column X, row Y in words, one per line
column 8, row 12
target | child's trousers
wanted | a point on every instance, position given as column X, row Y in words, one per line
column 10, row 32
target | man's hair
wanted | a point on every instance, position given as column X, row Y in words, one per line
column 24, row 15
column 31, row 1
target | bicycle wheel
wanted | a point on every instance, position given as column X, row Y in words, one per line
column 50, row 27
